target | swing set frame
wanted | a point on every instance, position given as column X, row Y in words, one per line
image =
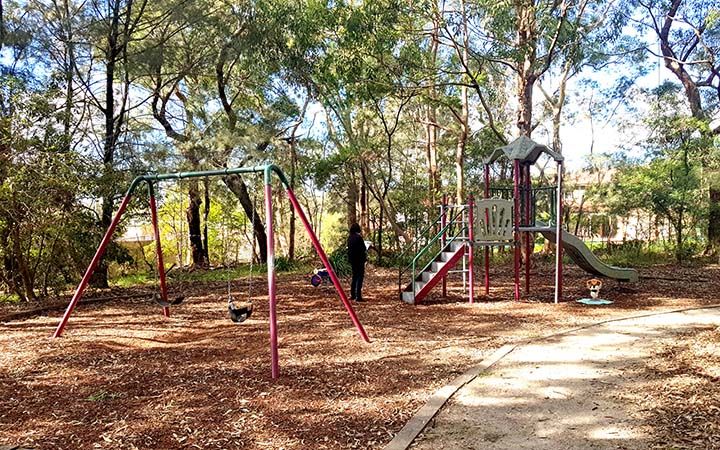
column 267, row 171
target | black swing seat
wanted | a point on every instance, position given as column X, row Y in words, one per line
column 239, row 313
column 166, row 304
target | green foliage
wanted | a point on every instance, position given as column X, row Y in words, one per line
column 233, row 274
column 339, row 260
column 668, row 181
column 9, row 298
column 218, row 84
column 133, row 279
column 283, row 264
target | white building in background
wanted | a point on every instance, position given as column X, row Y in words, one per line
column 596, row 225
column 138, row 235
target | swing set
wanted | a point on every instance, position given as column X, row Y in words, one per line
column 237, row 313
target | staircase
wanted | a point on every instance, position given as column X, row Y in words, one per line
column 440, row 253
column 416, row 291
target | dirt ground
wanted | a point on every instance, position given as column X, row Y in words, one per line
column 125, row 377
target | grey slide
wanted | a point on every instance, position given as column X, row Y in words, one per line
column 583, row 257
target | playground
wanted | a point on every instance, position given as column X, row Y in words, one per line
column 163, row 366
column 359, row 224
column 125, row 376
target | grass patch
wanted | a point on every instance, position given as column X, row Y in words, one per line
column 133, row 279
column 9, row 298
column 219, row 274
column 101, row 396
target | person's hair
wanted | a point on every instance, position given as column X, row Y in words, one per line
column 355, row 228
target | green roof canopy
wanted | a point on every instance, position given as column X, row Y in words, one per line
column 524, row 149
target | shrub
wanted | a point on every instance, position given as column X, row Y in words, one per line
column 284, row 264
column 339, row 260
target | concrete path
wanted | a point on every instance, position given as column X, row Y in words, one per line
column 560, row 392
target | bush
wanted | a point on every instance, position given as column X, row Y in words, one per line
column 339, row 260
column 283, row 264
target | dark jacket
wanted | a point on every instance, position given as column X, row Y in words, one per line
column 357, row 252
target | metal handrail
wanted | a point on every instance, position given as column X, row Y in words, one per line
column 420, row 234
column 452, row 221
column 452, row 239
column 460, row 209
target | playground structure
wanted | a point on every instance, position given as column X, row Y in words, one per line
column 267, row 171
column 505, row 217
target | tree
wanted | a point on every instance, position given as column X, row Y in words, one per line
column 45, row 232
column 667, row 183
column 99, row 53
column 689, row 37
column 224, row 57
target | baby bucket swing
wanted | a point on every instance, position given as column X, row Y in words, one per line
column 237, row 311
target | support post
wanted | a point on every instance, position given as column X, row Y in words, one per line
column 528, row 234
column 486, row 248
column 516, row 225
column 158, row 249
column 275, row 370
column 443, row 238
column 471, row 247
column 323, row 257
column 558, row 236
column 93, row 264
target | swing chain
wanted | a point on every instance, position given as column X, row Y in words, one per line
column 242, row 313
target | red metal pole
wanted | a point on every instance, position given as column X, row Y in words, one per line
column 516, row 238
column 558, row 236
column 487, row 219
column 528, row 235
column 91, row 268
column 271, row 281
column 443, row 223
column 158, row 249
column 471, row 247
column 323, row 257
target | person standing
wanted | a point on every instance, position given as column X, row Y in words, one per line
column 357, row 255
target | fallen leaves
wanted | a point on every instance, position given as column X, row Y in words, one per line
column 124, row 377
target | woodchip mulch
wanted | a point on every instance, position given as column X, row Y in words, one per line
column 679, row 391
column 124, row 377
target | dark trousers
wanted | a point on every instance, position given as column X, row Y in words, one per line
column 358, row 274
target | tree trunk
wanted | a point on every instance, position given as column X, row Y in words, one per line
column 69, row 75
column 238, row 187
column 527, row 44
column 100, row 276
column 2, row 26
column 194, row 225
column 460, row 157
column 364, row 213
column 114, row 112
column 464, row 115
column 206, row 213
column 352, row 202
column 679, row 243
column 524, row 98
column 11, row 275
column 676, row 65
